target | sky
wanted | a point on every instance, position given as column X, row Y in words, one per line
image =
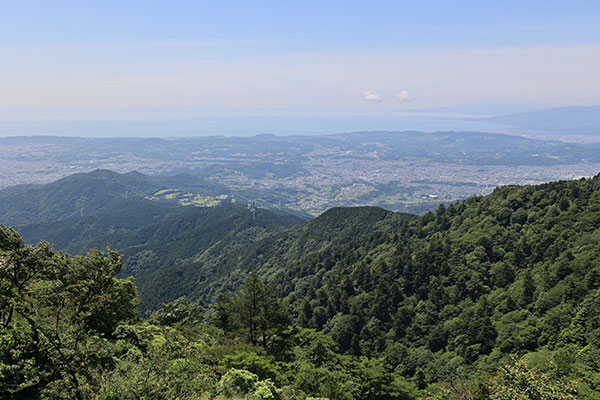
column 243, row 67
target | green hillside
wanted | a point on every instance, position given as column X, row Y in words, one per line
column 466, row 288
column 157, row 241
column 338, row 231
column 69, row 330
column 191, row 235
column 495, row 297
column 156, row 234
column 80, row 195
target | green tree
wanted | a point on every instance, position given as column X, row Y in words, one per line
column 260, row 314
column 177, row 313
column 518, row 382
column 58, row 314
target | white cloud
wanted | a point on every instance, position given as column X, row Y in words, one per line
column 403, row 96
column 368, row 95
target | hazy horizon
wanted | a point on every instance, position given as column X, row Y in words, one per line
column 235, row 68
column 242, row 125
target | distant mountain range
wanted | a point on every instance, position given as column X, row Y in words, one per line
column 567, row 120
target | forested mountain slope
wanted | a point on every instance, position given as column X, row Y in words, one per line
column 188, row 276
column 337, row 232
column 188, row 236
column 79, row 195
column 391, row 305
column 515, row 272
column 156, row 240
column 124, row 212
column 70, row 330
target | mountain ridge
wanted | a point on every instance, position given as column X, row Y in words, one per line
column 583, row 120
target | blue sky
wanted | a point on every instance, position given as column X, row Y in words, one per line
column 209, row 61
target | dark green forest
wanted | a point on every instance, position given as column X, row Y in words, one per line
column 495, row 297
column 157, row 240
